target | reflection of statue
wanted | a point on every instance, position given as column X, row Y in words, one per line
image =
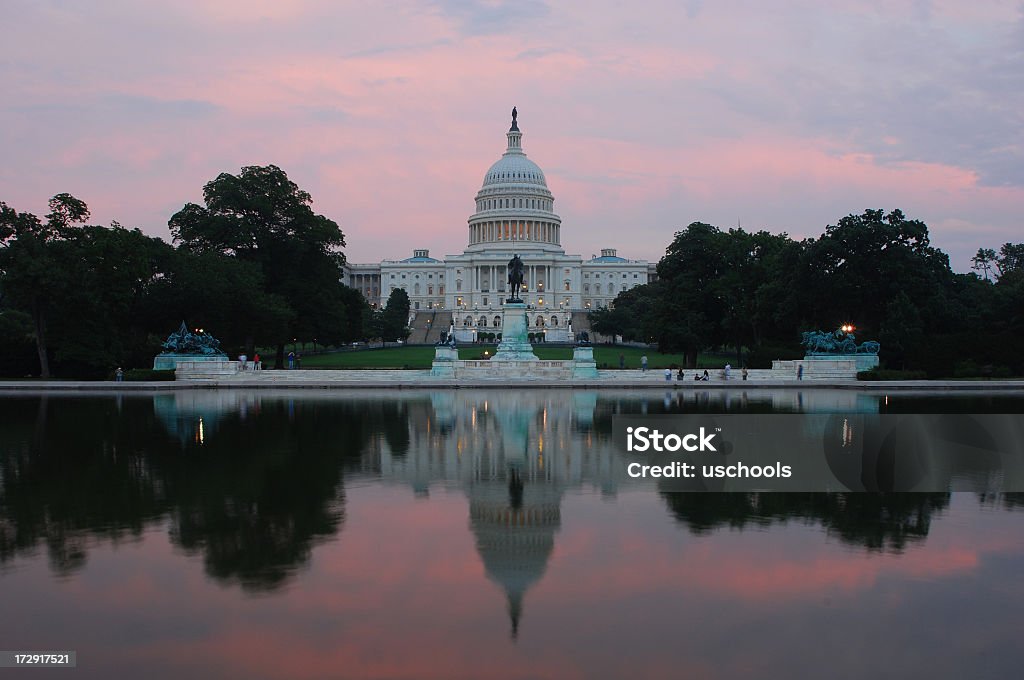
column 185, row 342
column 515, row 278
column 515, row 531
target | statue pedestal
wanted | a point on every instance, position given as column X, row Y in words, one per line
column 583, row 364
column 169, row 362
column 863, row 361
column 445, row 360
column 514, row 345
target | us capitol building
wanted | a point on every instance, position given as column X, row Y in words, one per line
column 514, row 214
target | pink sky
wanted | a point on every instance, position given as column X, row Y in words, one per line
column 784, row 116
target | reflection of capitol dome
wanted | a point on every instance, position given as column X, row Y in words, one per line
column 515, row 535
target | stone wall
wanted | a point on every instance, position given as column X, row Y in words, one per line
column 199, row 370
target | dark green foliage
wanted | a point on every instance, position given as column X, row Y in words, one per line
column 255, row 264
column 263, row 218
column 394, row 318
column 761, row 356
column 148, row 374
column 888, row 374
column 877, row 270
column 84, row 289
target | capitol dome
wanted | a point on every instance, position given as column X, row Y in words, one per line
column 514, row 203
column 514, row 168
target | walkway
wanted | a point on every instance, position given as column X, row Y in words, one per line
column 399, row 379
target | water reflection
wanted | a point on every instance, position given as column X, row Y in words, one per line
column 259, row 487
column 253, row 481
column 883, row 522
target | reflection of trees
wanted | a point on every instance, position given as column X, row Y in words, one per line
column 1007, row 501
column 253, row 499
column 73, row 468
column 873, row 520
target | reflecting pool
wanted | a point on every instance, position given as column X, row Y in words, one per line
column 475, row 533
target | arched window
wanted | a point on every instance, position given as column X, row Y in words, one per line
column 416, row 289
column 567, row 284
column 611, row 289
column 540, row 321
column 554, row 321
column 468, row 321
column 497, row 321
column 483, row 322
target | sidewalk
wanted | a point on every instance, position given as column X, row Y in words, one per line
column 404, row 379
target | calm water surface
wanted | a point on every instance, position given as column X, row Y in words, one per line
column 468, row 534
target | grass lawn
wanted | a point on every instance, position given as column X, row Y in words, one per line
column 390, row 357
column 421, row 356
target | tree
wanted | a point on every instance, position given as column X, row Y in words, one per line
column 103, row 318
column 631, row 316
column 33, row 263
column 901, row 330
column 204, row 289
column 983, row 261
column 864, row 262
column 395, row 316
column 261, row 216
column 1010, row 260
column 688, row 316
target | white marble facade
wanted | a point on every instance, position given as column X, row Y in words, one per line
column 514, row 214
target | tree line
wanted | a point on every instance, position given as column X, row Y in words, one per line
column 755, row 292
column 254, row 265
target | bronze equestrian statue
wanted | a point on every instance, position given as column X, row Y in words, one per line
column 515, row 278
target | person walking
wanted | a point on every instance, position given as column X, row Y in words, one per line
column 291, row 360
column 257, row 365
column 622, row 360
column 728, row 368
column 643, row 364
column 744, row 372
column 800, row 372
column 119, row 375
